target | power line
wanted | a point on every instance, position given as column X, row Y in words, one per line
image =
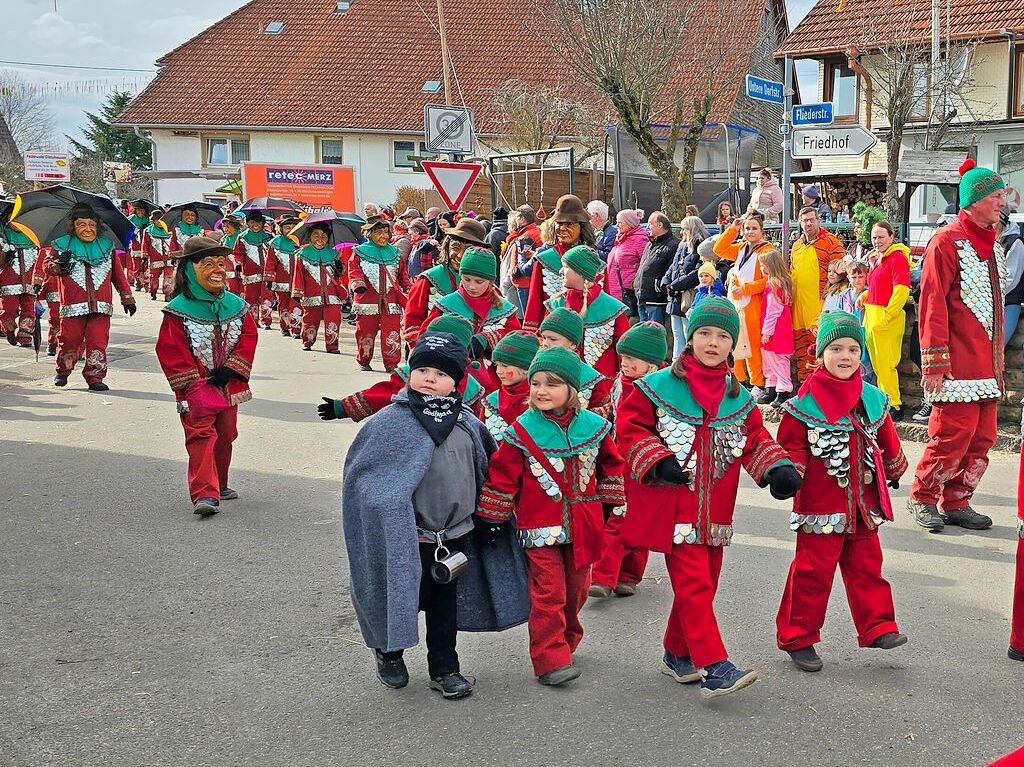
column 74, row 66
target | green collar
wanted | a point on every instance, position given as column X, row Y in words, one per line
column 454, row 303
column 589, row 376
column 139, row 222
column 203, row 306
column 586, row 431
column 804, row 408
column 284, row 244
column 387, row 255
column 255, row 238
column 550, row 259
column 155, row 230
column 229, row 240
column 312, row 255
column 442, row 278
column 92, row 253
column 189, row 230
column 672, row 395
column 602, row 310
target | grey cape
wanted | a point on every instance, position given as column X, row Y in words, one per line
column 385, row 464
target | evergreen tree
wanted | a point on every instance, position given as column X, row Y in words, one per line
column 110, row 143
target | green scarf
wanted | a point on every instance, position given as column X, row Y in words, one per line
column 312, row 255
column 91, row 253
column 155, row 230
column 229, row 240
column 14, row 238
column 189, row 230
column 375, row 254
column 203, row 305
column 284, row 244
column 255, row 238
column 139, row 222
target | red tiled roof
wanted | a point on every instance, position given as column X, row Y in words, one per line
column 827, row 30
column 324, row 70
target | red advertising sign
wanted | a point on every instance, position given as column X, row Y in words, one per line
column 321, row 186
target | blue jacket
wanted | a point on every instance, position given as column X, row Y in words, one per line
column 605, row 240
column 715, row 289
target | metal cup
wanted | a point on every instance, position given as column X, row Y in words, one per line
column 448, row 565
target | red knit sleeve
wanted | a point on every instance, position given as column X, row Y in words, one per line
column 893, row 457
column 535, row 310
column 793, row 439
column 637, row 435
column 270, row 266
column 365, row 403
column 938, row 275
column 416, row 309
column 298, row 278
column 610, row 472
column 504, row 479
column 119, row 279
column 174, row 354
column 356, row 278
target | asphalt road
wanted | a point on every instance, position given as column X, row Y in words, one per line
column 134, row 633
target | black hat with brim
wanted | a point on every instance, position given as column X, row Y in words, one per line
column 255, row 215
column 197, row 248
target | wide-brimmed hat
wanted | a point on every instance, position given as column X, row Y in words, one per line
column 411, row 213
column 468, row 230
column 198, row 248
column 570, row 210
column 255, row 215
column 375, row 222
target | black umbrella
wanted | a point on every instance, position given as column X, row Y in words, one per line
column 150, row 205
column 207, row 214
column 37, row 328
column 271, row 204
column 44, row 214
column 345, row 227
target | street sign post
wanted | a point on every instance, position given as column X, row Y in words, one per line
column 833, row 142
column 765, row 90
column 54, row 167
column 449, row 129
column 452, row 180
column 813, row 114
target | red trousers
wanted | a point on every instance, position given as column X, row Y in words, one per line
column 558, row 590
column 805, row 598
column 52, row 322
column 390, row 328
column 161, row 279
column 261, row 302
column 94, row 331
column 619, row 563
column 208, row 443
column 960, row 434
column 692, row 630
column 289, row 313
column 311, row 316
column 135, row 273
column 18, row 313
column 1017, row 619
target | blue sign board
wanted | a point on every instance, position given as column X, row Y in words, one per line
column 813, row 114
column 764, row 90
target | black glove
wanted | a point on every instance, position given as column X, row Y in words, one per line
column 326, row 409
column 221, row 376
column 359, row 291
column 270, row 286
column 668, row 469
column 608, row 509
column 784, row 481
column 37, row 289
column 130, row 309
column 488, row 531
column 64, row 262
column 894, row 484
column 477, row 348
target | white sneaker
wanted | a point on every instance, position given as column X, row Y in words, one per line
column 756, row 392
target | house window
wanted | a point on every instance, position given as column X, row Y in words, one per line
column 842, row 89
column 921, row 84
column 1018, row 82
column 226, row 150
column 330, row 151
column 402, row 153
column 1010, row 167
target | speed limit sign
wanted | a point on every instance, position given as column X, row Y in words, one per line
column 448, row 129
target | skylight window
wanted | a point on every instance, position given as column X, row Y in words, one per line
column 274, row 28
column 431, row 86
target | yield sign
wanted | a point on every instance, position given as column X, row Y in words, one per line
column 452, row 180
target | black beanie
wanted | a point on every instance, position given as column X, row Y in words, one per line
column 442, row 351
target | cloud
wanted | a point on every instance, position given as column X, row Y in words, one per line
column 57, row 35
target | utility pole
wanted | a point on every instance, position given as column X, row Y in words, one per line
column 445, row 61
column 787, row 155
column 936, row 57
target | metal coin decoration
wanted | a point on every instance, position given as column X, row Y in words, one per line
column 200, row 339
column 596, row 341
column 99, row 273
column 585, row 394
column 536, row 537
column 728, row 442
column 553, row 282
column 587, row 466
column 678, row 437
column 976, row 286
column 547, row 484
column 819, row 524
column 495, row 424
column 832, row 446
column 684, row 534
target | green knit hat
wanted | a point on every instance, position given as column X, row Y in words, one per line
column 566, row 323
column 714, row 312
column 977, row 182
column 835, row 325
column 561, row 362
column 452, row 323
column 583, row 260
column 517, row 349
column 479, row 262
column 646, row 341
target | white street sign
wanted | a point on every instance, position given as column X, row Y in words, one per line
column 47, row 166
column 449, row 129
column 833, row 142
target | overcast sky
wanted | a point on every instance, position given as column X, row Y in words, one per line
column 98, row 33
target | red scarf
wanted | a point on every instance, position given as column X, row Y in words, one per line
column 574, row 298
column 982, row 239
column 561, row 248
column 515, row 394
column 481, row 306
column 562, row 420
column 834, row 396
column 707, row 385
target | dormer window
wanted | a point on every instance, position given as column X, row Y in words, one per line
column 274, row 28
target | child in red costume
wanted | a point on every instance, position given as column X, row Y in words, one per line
column 689, row 428
column 839, row 432
column 642, row 350
column 512, row 359
column 564, row 327
column 555, row 469
column 206, row 347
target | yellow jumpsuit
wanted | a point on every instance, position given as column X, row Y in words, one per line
column 884, row 319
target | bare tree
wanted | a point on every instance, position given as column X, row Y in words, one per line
column 26, row 113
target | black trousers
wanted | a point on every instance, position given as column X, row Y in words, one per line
column 440, row 603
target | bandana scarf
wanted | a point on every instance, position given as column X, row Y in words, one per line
column 438, row 415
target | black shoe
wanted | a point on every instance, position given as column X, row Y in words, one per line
column 806, row 659
column 781, row 398
column 723, row 678
column 768, row 397
column 366, row 368
column 12, row 338
column 26, row 346
column 391, row 671
column 451, row 686
column 285, row 333
column 206, row 506
column 227, row 494
column 890, row 641
column 926, row 515
column 967, row 518
column 560, row 675
column 334, row 351
column 98, row 386
column 59, row 380
column 307, row 348
column 896, row 413
column 51, row 351
column 1014, row 654
column 922, row 415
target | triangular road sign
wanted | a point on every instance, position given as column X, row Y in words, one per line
column 452, row 180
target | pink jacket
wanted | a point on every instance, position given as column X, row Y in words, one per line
column 768, row 200
column 776, row 322
column 624, row 260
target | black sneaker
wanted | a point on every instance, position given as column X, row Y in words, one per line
column 59, row 380
column 922, row 415
column 206, row 507
column 12, row 338
column 51, row 351
column 926, row 515
column 451, row 686
column 680, row 669
column 781, row 398
column 723, row 678
column 560, row 675
column 806, row 659
column 1015, row 654
column 366, row 368
column 967, row 518
column 768, row 397
column 890, row 641
column 391, row 670
column 896, row 413
column 98, row 386
column 285, row 332
column 227, row 494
